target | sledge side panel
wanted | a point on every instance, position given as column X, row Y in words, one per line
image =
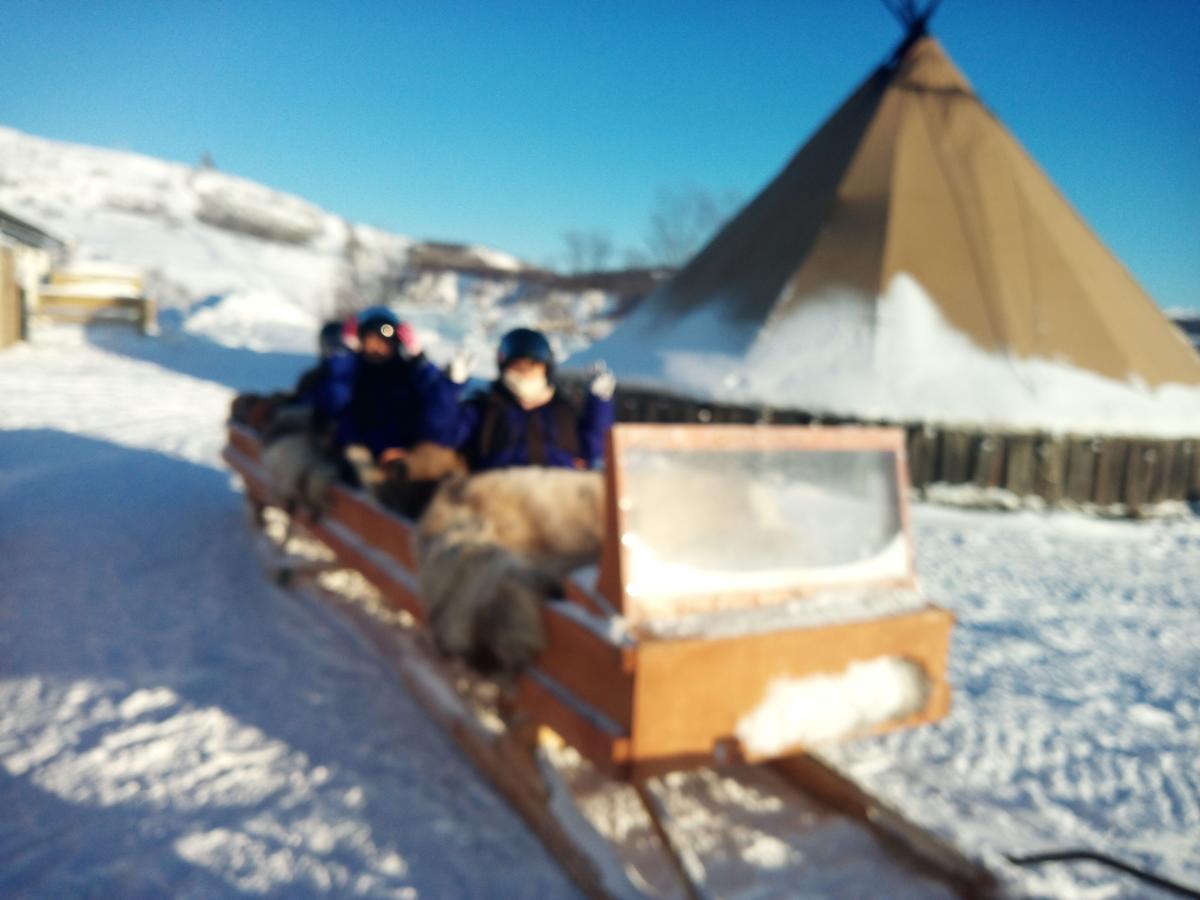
column 396, row 584
column 690, row 694
column 545, row 703
column 374, row 524
column 596, row 671
column 245, row 441
column 252, row 474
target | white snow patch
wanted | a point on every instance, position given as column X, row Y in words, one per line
column 262, row 320
column 497, row 259
column 898, row 360
column 824, row 608
column 141, row 702
column 820, row 708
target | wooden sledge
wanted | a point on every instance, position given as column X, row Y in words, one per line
column 642, row 677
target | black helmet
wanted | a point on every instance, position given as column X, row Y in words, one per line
column 379, row 320
column 525, row 343
column 329, row 340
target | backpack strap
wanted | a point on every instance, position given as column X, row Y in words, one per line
column 566, row 422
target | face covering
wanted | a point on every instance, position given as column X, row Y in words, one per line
column 529, row 389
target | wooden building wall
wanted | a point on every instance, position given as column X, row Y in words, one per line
column 11, row 311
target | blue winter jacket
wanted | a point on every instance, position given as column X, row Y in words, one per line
column 493, row 431
column 327, row 387
column 380, row 405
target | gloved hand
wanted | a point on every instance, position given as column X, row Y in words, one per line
column 459, row 369
column 409, row 340
column 603, row 381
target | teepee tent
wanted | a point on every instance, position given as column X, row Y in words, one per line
column 912, row 263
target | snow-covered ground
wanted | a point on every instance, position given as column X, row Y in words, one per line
column 172, row 723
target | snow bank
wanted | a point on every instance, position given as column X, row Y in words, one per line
column 256, row 320
column 896, row 360
column 820, row 708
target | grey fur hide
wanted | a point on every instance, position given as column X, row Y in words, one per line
column 300, row 476
column 493, row 546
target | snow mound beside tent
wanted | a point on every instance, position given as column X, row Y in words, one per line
column 894, row 360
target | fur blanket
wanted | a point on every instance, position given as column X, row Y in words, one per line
column 301, row 474
column 491, row 548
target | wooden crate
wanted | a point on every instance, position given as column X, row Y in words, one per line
column 643, row 703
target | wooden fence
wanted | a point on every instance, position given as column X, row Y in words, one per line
column 1112, row 475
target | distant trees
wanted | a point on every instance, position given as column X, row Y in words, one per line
column 587, row 250
column 682, row 220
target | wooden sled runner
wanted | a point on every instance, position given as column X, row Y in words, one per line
column 743, row 567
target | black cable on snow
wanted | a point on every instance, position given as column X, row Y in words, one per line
column 1078, row 855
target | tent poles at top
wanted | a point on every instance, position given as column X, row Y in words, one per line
column 915, row 24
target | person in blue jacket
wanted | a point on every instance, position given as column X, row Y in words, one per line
column 379, row 395
column 325, row 388
column 522, row 420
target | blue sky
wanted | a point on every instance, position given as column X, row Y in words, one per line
column 507, row 123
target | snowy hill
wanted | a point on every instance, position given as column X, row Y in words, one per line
column 250, row 266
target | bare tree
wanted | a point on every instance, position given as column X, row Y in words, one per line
column 587, row 251
column 683, row 219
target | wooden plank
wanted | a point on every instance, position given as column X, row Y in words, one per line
column 922, row 456
column 396, row 585
column 609, row 580
column 1050, row 470
column 253, row 477
column 377, row 525
column 246, row 441
column 511, row 772
column 1139, row 472
column 1112, row 456
column 10, row 300
column 1193, row 490
column 1180, row 471
column 685, row 700
column 1020, row 463
column 1081, row 470
column 956, row 456
column 936, row 856
column 605, row 747
column 353, row 548
column 1156, row 491
column 596, row 671
column 989, row 460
